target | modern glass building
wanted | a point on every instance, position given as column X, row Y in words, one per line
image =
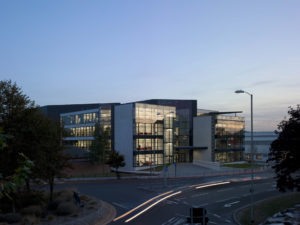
column 153, row 132
column 144, row 134
column 79, row 128
column 229, row 138
column 186, row 109
column 222, row 134
column 261, row 145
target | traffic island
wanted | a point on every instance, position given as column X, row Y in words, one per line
column 67, row 207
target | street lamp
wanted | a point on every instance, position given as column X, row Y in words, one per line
column 252, row 153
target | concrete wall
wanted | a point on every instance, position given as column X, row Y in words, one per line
column 202, row 130
column 124, row 133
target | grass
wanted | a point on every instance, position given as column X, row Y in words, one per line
column 243, row 166
column 154, row 169
column 110, row 174
column 268, row 208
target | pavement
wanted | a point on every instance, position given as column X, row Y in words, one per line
column 181, row 170
column 107, row 212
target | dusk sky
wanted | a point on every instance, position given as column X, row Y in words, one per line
column 67, row 52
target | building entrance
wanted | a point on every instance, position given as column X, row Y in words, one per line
column 180, row 157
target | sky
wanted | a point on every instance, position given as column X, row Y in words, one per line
column 68, row 52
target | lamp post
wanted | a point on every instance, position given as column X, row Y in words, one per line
column 252, row 153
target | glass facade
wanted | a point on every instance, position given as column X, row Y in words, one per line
column 79, row 127
column 81, row 118
column 229, row 138
column 182, row 135
column 153, row 134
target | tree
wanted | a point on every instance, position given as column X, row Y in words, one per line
column 32, row 134
column 116, row 160
column 285, row 152
column 9, row 185
column 13, row 103
column 99, row 145
column 51, row 159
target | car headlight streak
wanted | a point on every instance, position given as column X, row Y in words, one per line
column 139, row 206
column 149, row 207
column 213, row 184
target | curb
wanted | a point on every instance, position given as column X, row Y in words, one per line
column 108, row 210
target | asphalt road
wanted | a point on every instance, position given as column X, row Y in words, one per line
column 220, row 201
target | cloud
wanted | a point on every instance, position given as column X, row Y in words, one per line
column 263, row 82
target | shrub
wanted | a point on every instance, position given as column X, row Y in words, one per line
column 30, row 198
column 93, row 202
column 62, row 196
column 85, row 198
column 31, row 220
column 51, row 217
column 66, row 208
column 10, row 218
column 32, row 210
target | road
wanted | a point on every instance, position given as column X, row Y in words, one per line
column 220, row 200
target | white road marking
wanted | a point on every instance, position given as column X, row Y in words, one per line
column 179, row 221
column 212, row 222
column 186, row 203
column 119, row 205
column 217, row 216
column 225, row 200
column 230, row 204
column 227, row 189
column 170, row 220
column 228, row 221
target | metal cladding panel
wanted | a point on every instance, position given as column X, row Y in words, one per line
column 123, row 127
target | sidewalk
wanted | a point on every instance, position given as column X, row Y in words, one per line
column 182, row 170
column 191, row 170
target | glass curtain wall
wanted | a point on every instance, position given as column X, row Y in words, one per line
column 229, row 138
column 153, row 134
column 79, row 127
column 182, row 135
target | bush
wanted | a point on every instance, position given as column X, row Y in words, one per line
column 51, row 217
column 66, row 208
column 60, row 197
column 85, row 198
column 93, row 202
column 30, row 198
column 32, row 210
column 31, row 220
column 67, row 195
column 10, row 218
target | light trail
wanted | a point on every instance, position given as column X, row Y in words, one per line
column 213, row 184
column 139, row 206
column 149, row 207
